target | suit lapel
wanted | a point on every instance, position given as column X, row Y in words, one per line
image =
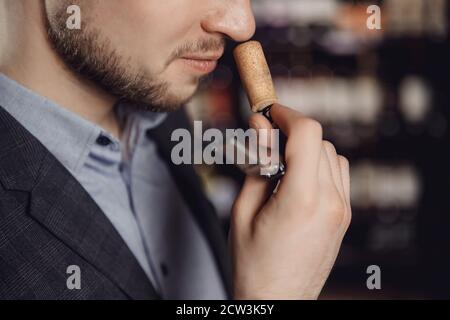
column 191, row 189
column 61, row 205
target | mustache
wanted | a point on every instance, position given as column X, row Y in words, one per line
column 200, row 46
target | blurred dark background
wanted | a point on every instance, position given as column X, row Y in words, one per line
column 382, row 97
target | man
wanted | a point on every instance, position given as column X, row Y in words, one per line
column 91, row 206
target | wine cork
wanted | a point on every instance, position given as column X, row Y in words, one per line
column 255, row 75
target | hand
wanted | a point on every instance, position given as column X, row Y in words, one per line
column 284, row 245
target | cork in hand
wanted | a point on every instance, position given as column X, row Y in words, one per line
column 255, row 75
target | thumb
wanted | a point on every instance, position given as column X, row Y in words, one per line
column 253, row 196
column 255, row 191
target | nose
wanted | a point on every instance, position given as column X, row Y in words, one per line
column 234, row 19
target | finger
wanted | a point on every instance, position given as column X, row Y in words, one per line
column 335, row 168
column 339, row 193
column 303, row 148
column 264, row 129
column 253, row 196
column 326, row 180
column 258, row 121
column 256, row 189
column 345, row 173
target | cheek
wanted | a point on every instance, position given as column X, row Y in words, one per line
column 145, row 31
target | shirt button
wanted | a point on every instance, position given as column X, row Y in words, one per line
column 104, row 141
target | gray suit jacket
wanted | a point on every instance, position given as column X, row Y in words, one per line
column 49, row 222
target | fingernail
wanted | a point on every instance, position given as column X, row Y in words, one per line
column 254, row 124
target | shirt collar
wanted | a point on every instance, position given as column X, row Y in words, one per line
column 68, row 136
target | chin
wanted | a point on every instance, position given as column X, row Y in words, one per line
column 184, row 93
column 172, row 101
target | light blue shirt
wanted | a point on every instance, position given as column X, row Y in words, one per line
column 132, row 186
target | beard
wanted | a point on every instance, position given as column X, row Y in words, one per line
column 92, row 57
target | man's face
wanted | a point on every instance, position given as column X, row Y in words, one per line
column 151, row 52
